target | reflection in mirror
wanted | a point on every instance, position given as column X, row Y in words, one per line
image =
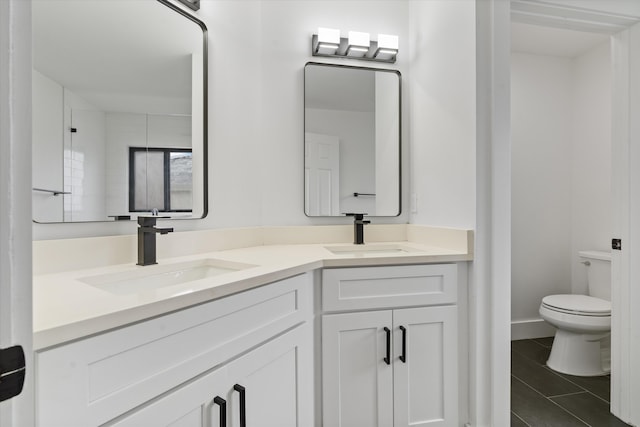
column 119, row 110
column 352, row 140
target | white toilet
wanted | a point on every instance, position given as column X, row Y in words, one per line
column 582, row 345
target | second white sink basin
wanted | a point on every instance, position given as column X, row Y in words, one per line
column 367, row 250
column 158, row 276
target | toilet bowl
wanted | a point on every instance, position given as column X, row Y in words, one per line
column 582, row 344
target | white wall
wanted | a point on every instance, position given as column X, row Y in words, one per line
column 257, row 54
column 286, row 30
column 541, row 180
column 442, row 112
column 591, row 184
column 561, row 163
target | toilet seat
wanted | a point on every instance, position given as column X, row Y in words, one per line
column 581, row 305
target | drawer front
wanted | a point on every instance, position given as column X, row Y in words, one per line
column 383, row 287
column 91, row 381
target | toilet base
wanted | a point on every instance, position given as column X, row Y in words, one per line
column 584, row 355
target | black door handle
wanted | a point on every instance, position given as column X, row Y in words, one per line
column 387, row 359
column 403, row 356
column 243, row 404
column 223, row 410
column 12, row 371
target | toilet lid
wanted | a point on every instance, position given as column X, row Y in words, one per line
column 578, row 304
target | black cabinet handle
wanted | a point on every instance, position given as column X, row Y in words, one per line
column 403, row 356
column 223, row 410
column 243, row 404
column 387, row 359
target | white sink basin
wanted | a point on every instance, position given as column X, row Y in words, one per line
column 158, row 276
column 369, row 250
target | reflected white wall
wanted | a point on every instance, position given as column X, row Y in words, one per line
column 387, row 154
column 357, row 160
column 47, row 147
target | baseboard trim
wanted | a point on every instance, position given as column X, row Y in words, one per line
column 531, row 328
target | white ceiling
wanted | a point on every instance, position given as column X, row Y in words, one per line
column 534, row 39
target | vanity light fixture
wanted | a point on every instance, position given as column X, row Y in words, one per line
column 387, row 47
column 328, row 41
column 357, row 45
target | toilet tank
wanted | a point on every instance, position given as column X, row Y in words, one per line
column 598, row 273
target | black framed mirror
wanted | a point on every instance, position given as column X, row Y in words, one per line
column 109, row 76
column 352, row 122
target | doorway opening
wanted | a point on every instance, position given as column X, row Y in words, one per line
column 561, row 115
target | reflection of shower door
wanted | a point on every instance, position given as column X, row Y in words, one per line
column 84, row 167
column 322, row 175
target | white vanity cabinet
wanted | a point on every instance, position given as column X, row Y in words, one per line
column 267, row 379
column 168, row 371
column 392, row 359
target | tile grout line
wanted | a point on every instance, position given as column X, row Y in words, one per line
column 543, row 345
column 568, row 411
column 550, row 398
column 559, row 375
column 604, row 400
column 567, row 394
column 526, row 354
column 545, row 397
column 520, row 418
column 576, row 384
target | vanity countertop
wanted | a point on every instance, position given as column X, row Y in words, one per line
column 66, row 308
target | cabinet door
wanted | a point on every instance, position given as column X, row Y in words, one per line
column 357, row 382
column 426, row 382
column 276, row 380
column 196, row 404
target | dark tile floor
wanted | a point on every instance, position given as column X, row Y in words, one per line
column 542, row 397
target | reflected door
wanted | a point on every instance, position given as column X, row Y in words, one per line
column 322, row 174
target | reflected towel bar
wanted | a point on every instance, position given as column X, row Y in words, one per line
column 54, row 192
column 364, row 194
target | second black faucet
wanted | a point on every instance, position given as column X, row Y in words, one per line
column 358, row 227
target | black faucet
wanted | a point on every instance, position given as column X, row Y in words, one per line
column 358, row 227
column 147, row 239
